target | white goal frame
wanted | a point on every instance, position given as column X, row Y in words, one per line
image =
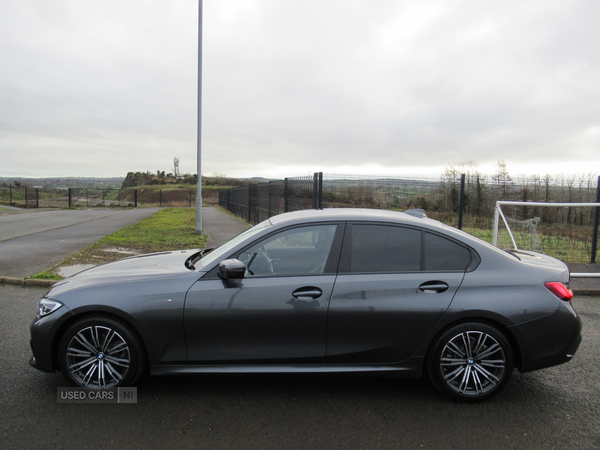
column 499, row 214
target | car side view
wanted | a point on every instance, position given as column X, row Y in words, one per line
column 315, row 291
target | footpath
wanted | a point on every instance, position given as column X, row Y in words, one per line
column 221, row 227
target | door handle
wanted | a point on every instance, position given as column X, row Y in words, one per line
column 307, row 293
column 434, row 287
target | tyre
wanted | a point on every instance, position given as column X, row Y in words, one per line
column 100, row 352
column 471, row 362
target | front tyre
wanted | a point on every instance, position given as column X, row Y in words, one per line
column 471, row 362
column 99, row 352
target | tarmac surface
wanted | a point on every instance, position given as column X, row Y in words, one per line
column 551, row 408
column 555, row 408
column 31, row 242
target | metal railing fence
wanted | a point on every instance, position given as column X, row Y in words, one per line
column 461, row 200
column 38, row 197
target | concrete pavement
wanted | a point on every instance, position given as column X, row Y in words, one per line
column 220, row 226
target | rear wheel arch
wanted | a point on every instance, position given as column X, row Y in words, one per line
column 471, row 360
column 486, row 320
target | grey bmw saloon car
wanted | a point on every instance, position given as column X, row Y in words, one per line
column 337, row 290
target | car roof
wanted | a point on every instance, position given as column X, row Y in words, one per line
column 352, row 214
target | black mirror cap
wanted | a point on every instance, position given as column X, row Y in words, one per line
column 231, row 269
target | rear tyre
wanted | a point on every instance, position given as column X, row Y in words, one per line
column 471, row 362
column 100, row 352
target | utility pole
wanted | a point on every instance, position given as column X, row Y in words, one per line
column 199, row 138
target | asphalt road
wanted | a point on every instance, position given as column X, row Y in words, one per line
column 33, row 241
column 557, row 408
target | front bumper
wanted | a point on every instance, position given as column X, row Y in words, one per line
column 45, row 333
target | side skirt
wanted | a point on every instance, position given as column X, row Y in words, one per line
column 411, row 368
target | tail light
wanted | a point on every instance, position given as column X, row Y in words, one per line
column 560, row 290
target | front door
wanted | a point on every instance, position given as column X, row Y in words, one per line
column 277, row 313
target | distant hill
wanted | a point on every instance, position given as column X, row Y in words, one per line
column 64, row 182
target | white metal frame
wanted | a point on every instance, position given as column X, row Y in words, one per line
column 498, row 213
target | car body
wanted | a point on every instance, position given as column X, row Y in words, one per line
column 335, row 290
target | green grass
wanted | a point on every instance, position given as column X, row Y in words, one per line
column 47, row 275
column 168, row 229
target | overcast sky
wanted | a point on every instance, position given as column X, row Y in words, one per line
column 101, row 88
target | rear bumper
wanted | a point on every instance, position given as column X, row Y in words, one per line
column 540, row 348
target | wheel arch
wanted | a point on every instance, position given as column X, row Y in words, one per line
column 89, row 311
column 505, row 330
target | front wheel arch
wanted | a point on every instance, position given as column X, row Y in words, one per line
column 122, row 331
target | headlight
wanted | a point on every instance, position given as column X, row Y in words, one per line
column 47, row 306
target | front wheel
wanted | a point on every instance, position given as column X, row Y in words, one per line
column 471, row 362
column 99, row 352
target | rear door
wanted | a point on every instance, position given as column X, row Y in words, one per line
column 394, row 285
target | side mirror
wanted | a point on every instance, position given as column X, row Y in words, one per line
column 231, row 269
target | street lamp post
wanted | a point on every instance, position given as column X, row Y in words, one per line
column 199, row 138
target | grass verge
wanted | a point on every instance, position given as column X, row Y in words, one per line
column 168, row 229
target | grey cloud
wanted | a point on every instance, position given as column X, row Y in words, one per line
column 286, row 83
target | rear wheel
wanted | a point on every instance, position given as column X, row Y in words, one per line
column 99, row 352
column 471, row 362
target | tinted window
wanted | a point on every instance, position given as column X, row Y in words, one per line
column 382, row 248
column 443, row 254
column 297, row 251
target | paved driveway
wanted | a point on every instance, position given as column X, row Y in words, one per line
column 31, row 242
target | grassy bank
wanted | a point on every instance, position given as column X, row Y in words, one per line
column 168, row 229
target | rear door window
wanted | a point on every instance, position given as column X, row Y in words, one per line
column 378, row 248
column 382, row 248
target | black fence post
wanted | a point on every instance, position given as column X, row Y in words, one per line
column 10, row 194
column 286, row 206
column 190, row 196
column 135, row 198
column 596, row 220
column 316, row 191
column 37, row 197
column 70, row 199
column 320, row 205
column 461, row 205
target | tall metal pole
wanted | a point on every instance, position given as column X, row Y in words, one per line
column 461, row 203
column 199, row 138
column 596, row 220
